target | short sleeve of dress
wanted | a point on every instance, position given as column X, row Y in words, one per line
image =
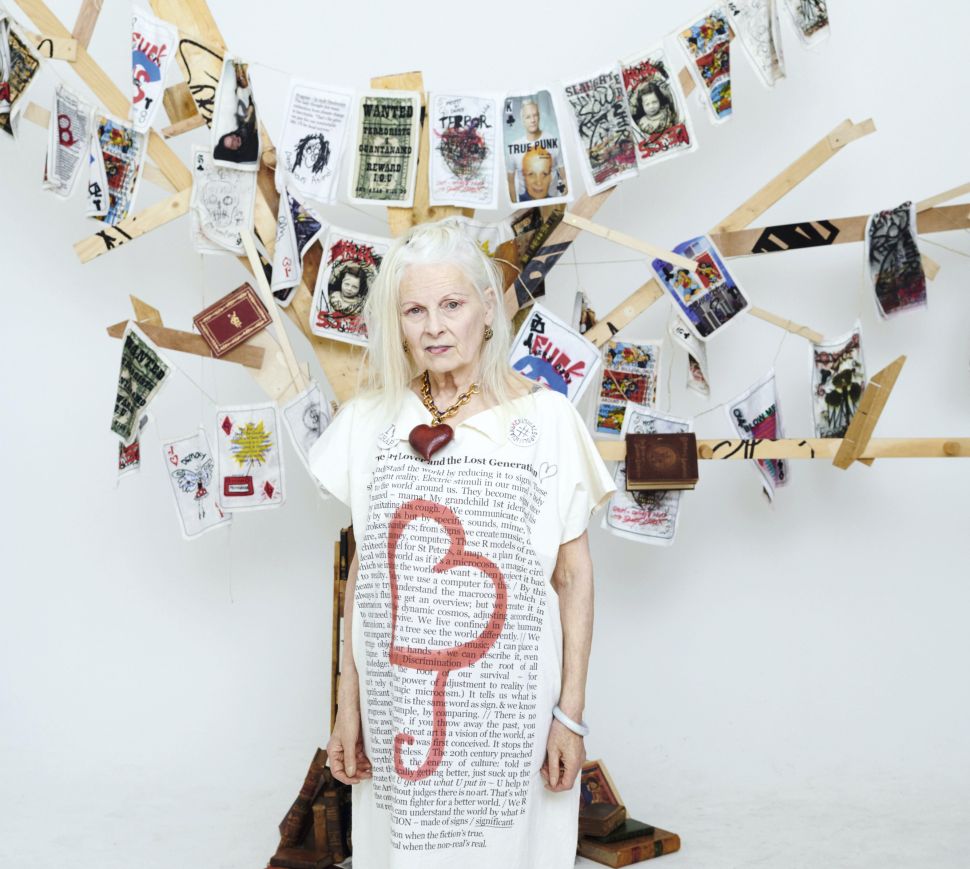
column 329, row 457
column 586, row 483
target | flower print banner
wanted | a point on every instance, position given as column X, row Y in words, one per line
column 838, row 381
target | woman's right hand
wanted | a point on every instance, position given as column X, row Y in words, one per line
column 345, row 750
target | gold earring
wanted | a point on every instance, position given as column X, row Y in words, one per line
column 488, row 332
column 404, row 344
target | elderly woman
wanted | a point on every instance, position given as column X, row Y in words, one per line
column 469, row 605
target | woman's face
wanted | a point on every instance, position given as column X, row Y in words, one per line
column 443, row 319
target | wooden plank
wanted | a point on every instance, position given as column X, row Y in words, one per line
column 930, row 267
column 732, row 449
column 822, row 151
column 87, row 18
column 192, row 17
column 401, row 220
column 180, row 127
column 189, row 342
column 629, row 241
column 178, row 103
column 624, row 313
column 145, row 313
column 133, row 227
column 201, row 64
column 37, row 115
column 526, row 287
column 864, row 421
column 821, row 233
column 107, row 92
column 55, row 47
column 787, row 325
column 686, row 81
column 940, row 198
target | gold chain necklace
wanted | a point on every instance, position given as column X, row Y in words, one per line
column 438, row 415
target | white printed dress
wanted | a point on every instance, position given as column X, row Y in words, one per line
column 456, row 629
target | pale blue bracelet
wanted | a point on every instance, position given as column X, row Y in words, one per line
column 579, row 727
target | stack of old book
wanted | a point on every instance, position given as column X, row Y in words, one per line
column 661, row 461
column 315, row 833
column 606, row 834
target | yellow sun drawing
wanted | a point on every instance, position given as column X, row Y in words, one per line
column 251, row 443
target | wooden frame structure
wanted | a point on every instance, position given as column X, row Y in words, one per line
column 273, row 363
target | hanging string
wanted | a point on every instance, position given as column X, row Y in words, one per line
column 945, row 247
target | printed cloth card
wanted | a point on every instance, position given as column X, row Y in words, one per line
column 191, row 469
column 549, row 352
column 249, row 463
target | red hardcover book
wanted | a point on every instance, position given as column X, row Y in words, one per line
column 232, row 320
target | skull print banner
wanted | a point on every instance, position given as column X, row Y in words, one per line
column 464, row 133
column 221, row 204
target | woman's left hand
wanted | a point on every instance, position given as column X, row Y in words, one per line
column 565, row 755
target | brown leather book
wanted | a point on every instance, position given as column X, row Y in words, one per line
column 294, row 824
column 629, row 829
column 233, row 319
column 600, row 819
column 335, row 839
column 661, row 461
column 630, row 851
column 299, row 858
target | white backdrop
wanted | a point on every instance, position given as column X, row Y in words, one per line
column 786, row 686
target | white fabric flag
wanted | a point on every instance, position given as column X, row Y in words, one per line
column 153, row 45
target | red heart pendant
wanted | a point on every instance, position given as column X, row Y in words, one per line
column 428, row 439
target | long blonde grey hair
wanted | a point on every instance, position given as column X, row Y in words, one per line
column 387, row 368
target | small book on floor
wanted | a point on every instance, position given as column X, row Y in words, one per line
column 629, row 851
column 600, row 819
column 661, row 461
column 629, row 829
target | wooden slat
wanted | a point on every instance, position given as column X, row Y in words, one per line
column 940, row 198
column 55, row 47
column 524, row 289
column 822, row 151
column 132, row 227
column 629, row 241
column 37, row 115
column 401, row 220
column 184, row 126
column 178, row 103
column 107, row 92
column 189, row 342
column 867, row 414
column 87, row 18
column 686, row 81
column 931, row 267
column 821, row 233
column 811, row 448
column 625, row 313
column 787, row 325
column 145, row 313
column 192, row 17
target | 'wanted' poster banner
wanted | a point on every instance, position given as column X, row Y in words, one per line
column 116, row 159
column 249, row 463
column 756, row 22
column 235, row 124
column 535, row 157
column 144, row 371
column 297, row 227
column 386, row 149
column 221, row 204
column 549, row 352
column 312, row 142
column 18, row 69
column 464, row 133
column 707, row 44
column 648, row 516
column 604, row 128
column 709, row 298
column 191, row 471
column 755, row 416
column 153, row 44
column 348, row 269
column 68, row 140
column 661, row 124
